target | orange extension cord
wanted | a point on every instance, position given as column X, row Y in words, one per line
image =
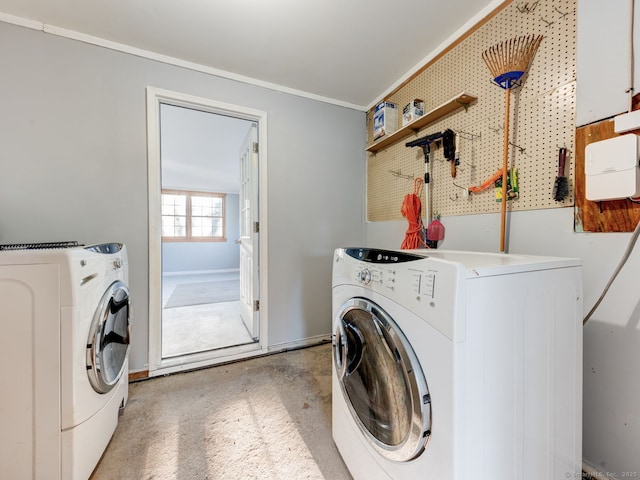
column 411, row 207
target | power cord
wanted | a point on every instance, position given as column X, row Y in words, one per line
column 623, row 260
column 411, row 208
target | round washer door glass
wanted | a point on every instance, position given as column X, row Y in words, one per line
column 382, row 381
column 108, row 342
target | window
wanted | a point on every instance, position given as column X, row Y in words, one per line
column 193, row 216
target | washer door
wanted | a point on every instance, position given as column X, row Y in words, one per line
column 108, row 342
column 382, row 381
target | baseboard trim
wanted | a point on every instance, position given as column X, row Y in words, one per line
column 272, row 349
column 592, row 473
column 139, row 375
column 303, row 343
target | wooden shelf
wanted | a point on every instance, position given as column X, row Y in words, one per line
column 459, row 101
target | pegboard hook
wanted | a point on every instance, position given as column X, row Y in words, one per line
column 547, row 22
column 522, row 149
column 562, row 15
column 465, row 190
column 467, row 135
column 399, row 174
column 526, row 8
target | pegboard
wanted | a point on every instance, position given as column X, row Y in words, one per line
column 542, row 119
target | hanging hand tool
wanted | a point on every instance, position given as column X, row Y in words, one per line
column 425, row 143
column 512, row 190
column 456, row 155
column 449, row 149
column 486, row 184
column 561, row 187
column 508, row 61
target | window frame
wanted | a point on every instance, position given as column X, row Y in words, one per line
column 196, row 193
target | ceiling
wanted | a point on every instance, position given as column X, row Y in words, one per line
column 201, row 150
column 350, row 52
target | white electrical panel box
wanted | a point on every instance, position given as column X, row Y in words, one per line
column 611, row 168
column 627, row 121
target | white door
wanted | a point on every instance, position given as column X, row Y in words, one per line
column 254, row 251
column 249, row 231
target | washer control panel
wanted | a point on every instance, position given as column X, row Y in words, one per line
column 424, row 284
column 375, row 276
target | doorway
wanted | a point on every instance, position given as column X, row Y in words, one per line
column 207, row 165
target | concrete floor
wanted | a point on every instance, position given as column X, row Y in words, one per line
column 267, row 418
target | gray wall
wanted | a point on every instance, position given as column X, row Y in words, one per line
column 74, row 166
column 204, row 256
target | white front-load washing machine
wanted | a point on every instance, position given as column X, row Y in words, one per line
column 457, row 365
column 65, row 316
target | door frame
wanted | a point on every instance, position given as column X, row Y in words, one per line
column 157, row 365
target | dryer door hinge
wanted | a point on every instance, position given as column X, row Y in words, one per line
column 256, row 227
column 256, row 305
column 255, row 147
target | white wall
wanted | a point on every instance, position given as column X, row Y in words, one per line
column 603, row 49
column 612, row 337
column 74, row 166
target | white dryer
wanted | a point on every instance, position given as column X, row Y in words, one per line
column 66, row 323
column 457, row 365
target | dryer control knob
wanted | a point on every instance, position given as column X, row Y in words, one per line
column 364, row 276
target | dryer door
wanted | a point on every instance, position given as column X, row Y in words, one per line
column 108, row 342
column 382, row 381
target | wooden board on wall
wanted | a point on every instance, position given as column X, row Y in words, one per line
column 610, row 216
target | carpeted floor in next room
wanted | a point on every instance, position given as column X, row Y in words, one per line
column 266, row 418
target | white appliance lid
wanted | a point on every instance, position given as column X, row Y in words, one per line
column 481, row 264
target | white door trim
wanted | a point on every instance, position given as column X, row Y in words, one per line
column 157, row 365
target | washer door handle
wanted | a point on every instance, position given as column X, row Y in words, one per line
column 354, row 346
column 340, row 350
column 347, row 349
column 109, row 339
